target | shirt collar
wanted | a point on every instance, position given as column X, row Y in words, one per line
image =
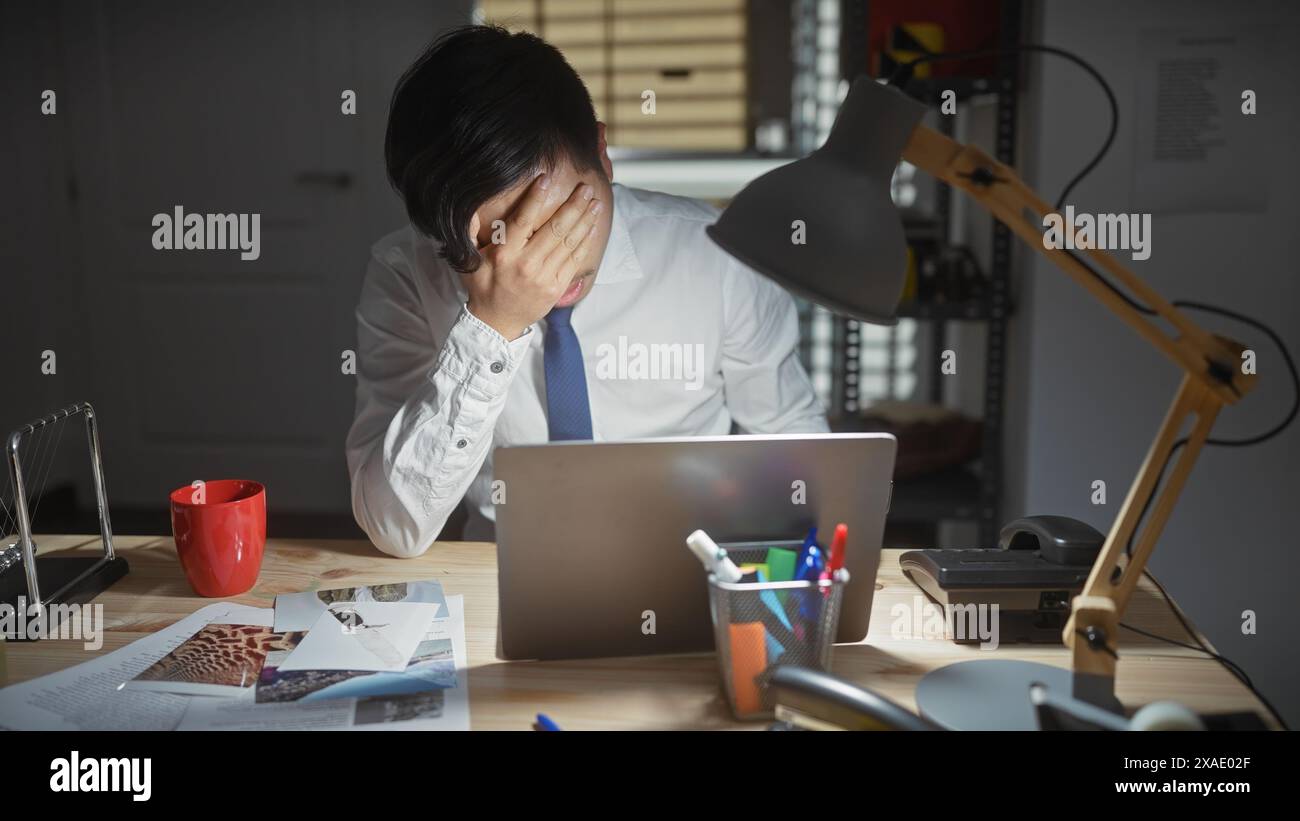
column 619, row 264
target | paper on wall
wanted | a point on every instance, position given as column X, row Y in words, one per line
column 1196, row 149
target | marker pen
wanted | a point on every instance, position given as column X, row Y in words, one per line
column 713, row 558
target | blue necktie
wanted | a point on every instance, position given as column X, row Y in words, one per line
column 568, row 412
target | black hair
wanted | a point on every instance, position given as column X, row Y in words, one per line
column 480, row 111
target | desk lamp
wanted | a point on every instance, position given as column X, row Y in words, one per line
column 853, row 262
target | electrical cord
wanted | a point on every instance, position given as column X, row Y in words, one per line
column 1227, row 663
column 904, row 71
column 1231, row 443
column 1233, row 667
column 901, row 75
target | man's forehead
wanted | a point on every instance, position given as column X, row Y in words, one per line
column 564, row 177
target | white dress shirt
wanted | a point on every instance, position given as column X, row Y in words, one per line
column 678, row 339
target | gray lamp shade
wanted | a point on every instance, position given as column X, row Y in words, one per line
column 853, row 259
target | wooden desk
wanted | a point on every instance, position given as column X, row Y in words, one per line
column 662, row 692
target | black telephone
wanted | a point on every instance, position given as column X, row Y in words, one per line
column 1038, row 567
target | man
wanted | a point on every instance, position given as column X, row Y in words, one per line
column 531, row 300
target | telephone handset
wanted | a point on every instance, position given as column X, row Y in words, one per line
column 1058, row 539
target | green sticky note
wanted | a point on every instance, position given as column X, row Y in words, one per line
column 781, row 562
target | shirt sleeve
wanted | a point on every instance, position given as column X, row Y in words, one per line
column 425, row 411
column 766, row 387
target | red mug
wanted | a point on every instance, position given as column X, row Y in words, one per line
column 220, row 530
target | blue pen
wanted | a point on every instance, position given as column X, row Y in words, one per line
column 809, row 551
column 809, row 569
column 808, row 541
column 545, row 724
column 809, row 544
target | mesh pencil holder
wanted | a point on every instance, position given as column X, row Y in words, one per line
column 760, row 627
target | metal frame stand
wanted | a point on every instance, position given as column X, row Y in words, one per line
column 72, row 579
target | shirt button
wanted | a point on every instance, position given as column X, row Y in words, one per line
column 497, row 367
column 461, row 443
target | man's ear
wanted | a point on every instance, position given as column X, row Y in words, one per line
column 602, row 148
column 474, row 225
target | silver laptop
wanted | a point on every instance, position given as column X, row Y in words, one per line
column 591, row 537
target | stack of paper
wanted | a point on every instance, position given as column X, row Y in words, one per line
column 379, row 657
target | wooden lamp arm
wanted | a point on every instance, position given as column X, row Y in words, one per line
column 1212, row 378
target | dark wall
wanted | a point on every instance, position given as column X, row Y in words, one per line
column 201, row 364
column 1090, row 392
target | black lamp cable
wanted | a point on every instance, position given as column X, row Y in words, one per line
column 903, row 74
column 1248, row 440
column 1227, row 663
column 904, row 71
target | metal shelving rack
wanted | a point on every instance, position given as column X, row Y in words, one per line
column 971, row 494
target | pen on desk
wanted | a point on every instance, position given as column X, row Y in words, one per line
column 545, row 724
column 713, row 558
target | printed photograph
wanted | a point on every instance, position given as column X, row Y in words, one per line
column 299, row 611
column 432, row 667
column 216, row 660
column 392, row 709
